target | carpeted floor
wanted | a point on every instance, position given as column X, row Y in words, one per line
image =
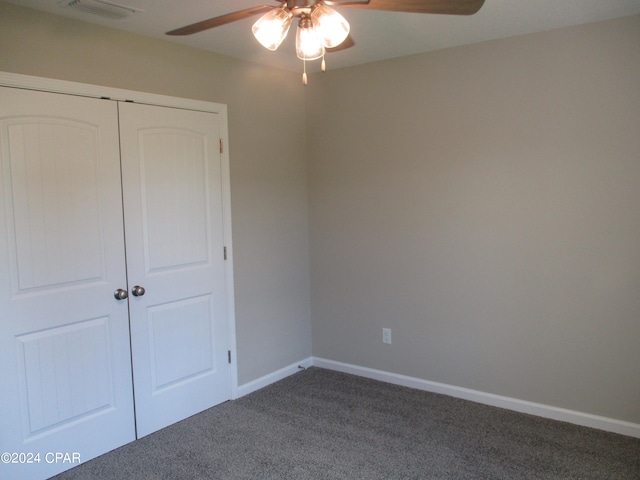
column 319, row 424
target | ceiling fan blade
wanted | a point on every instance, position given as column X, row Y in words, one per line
column 221, row 20
column 346, row 43
column 446, row 7
column 338, row 3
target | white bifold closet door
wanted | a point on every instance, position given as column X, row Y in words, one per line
column 173, row 229
column 99, row 197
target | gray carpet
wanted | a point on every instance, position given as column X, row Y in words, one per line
column 319, row 424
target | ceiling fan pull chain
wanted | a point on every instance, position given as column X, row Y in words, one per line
column 304, row 71
column 323, row 65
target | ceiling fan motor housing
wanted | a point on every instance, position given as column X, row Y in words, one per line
column 291, row 4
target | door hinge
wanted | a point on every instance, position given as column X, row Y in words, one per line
column 221, row 146
column 229, row 355
column 224, row 252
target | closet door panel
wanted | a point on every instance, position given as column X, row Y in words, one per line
column 174, row 190
column 173, row 221
column 64, row 338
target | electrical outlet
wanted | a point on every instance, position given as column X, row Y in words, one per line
column 386, row 335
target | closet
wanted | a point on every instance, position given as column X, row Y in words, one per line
column 115, row 285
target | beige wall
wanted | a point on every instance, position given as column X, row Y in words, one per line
column 483, row 202
column 267, row 155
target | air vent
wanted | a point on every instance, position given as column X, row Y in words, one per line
column 102, row 8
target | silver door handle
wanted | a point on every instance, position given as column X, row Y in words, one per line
column 120, row 294
column 138, row 291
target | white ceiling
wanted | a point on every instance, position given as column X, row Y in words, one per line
column 378, row 35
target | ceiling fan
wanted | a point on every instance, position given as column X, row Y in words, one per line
column 321, row 28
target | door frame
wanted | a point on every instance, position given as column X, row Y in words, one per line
column 29, row 82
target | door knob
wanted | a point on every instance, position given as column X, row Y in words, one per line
column 138, row 291
column 120, row 294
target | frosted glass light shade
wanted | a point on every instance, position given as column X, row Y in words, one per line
column 271, row 28
column 332, row 27
column 308, row 43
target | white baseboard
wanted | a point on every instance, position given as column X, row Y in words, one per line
column 272, row 377
column 522, row 406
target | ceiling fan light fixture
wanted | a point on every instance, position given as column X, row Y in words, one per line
column 272, row 28
column 332, row 27
column 321, row 28
column 308, row 44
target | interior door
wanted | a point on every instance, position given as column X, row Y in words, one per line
column 65, row 367
column 173, row 222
